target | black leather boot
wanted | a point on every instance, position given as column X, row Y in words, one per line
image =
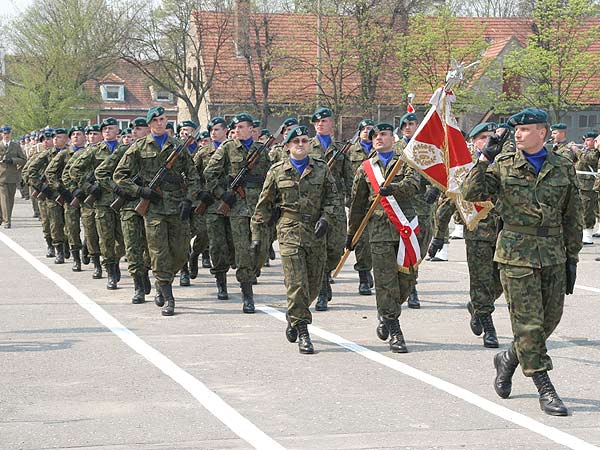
column 322, row 300
column 66, row 250
column 291, row 333
column 363, row 283
column 159, row 299
column 85, row 255
column 474, row 323
column 490, row 339
column 117, row 271
column 382, row 330
column 413, row 299
column 193, row 265
column 60, row 254
column 97, row 267
column 50, row 253
column 184, row 276
column 330, row 281
column 247, row 298
column 139, row 296
column 305, row 345
column 222, row 286
column 111, row 282
column 206, row 264
column 167, row 292
column 370, row 277
column 550, row 402
column 505, row 363
column 397, row 344
column 76, row 261
column 146, row 280
column 271, row 253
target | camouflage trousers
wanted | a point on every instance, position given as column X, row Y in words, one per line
column 73, row 226
column 589, row 203
column 168, row 243
column 136, row 245
column 34, row 202
column 108, row 225
column 484, row 277
column 535, row 301
column 245, row 261
column 199, row 232
column 56, row 214
column 88, row 220
column 362, row 252
column 336, row 238
column 391, row 286
column 424, row 237
column 44, row 215
column 303, row 270
column 222, row 252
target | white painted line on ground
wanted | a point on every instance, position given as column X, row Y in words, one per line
column 207, row 398
column 521, row 420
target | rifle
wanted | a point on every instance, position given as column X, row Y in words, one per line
column 237, row 184
column 349, row 143
column 144, row 204
column 118, row 203
column 41, row 195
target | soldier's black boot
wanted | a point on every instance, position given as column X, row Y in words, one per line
column 159, row 299
column 363, row 283
column 50, row 253
column 382, row 330
column 167, row 292
column 139, row 296
column 194, row 265
column 305, row 345
column 490, row 339
column 550, row 402
column 397, row 344
column 413, row 299
column 475, row 323
column 505, row 363
column 97, row 267
column 111, row 282
column 60, row 254
column 146, row 280
column 85, row 255
column 330, row 281
column 370, row 277
column 206, row 264
column 66, row 250
column 117, row 272
column 291, row 333
column 322, row 299
column 247, row 298
column 76, row 261
column 184, row 276
column 221, row 278
column 271, row 253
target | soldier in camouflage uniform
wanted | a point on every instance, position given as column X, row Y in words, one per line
column 225, row 164
column 559, row 140
column 33, row 149
column 304, row 190
column 586, row 160
column 323, row 147
column 132, row 224
column 538, row 200
column 54, row 174
column 279, row 152
column 484, row 278
column 393, row 284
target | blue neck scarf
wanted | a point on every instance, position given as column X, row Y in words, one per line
column 217, row 144
column 386, row 157
column 76, row 149
column 247, row 142
column 367, row 146
column 299, row 165
column 536, row 159
column 407, row 139
column 111, row 145
column 325, row 140
column 160, row 140
column 192, row 148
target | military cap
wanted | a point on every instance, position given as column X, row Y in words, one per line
column 365, row 123
column 480, row 128
column 408, row 117
column 76, row 128
column 205, row 134
column 214, row 121
column 242, row 117
column 590, row 134
column 558, row 126
column 153, row 112
column 138, row 122
column 321, row 113
column 6, row 129
column 108, row 121
column 380, row 127
column 170, row 126
column 48, row 133
column 94, row 127
column 290, row 121
column 505, row 125
column 528, row 116
column 256, row 123
column 265, row 132
column 125, row 131
column 186, row 123
column 60, row 131
column 295, row 132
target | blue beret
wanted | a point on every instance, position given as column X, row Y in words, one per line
column 558, row 126
column 380, row 127
column 108, row 121
column 321, row 113
column 138, row 122
column 480, row 128
column 153, row 112
column 242, row 117
column 295, row 132
column 408, row 117
column 590, row 134
column 290, row 121
column 214, row 121
column 528, row 116
column 365, row 123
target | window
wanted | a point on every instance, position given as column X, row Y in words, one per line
column 123, row 123
column 583, row 122
column 164, row 96
column 592, row 121
column 113, row 92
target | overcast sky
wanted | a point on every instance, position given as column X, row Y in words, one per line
column 12, row 8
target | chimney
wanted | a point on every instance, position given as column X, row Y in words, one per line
column 241, row 15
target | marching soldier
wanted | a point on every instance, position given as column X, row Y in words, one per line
column 31, row 151
column 559, row 140
column 586, row 162
column 538, row 201
column 279, row 152
column 12, row 159
column 304, row 190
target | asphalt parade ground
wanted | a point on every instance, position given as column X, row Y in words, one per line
column 83, row 368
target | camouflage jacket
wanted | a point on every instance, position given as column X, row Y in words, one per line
column 587, row 161
column 104, row 176
column 486, row 229
column 36, row 172
column 424, row 209
column 342, row 168
column 56, row 167
column 278, row 153
column 564, row 150
column 201, row 159
column 67, row 179
column 546, row 208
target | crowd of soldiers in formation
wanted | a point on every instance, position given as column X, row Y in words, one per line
column 163, row 198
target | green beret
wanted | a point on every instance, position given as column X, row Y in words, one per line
column 48, row 133
column 558, row 126
column 138, row 122
column 170, row 126
column 125, row 131
column 408, row 117
column 76, row 128
column 205, row 134
column 153, row 112
column 295, row 132
column 108, row 121
column 94, row 127
column 242, row 117
column 480, row 128
column 265, row 132
column 505, row 125
column 290, row 121
column 365, row 123
column 214, row 121
column 321, row 113
column 590, row 134
column 528, row 116
column 186, row 123
column 256, row 123
column 380, row 127
column 60, row 131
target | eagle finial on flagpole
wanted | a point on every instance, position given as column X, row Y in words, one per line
column 456, row 74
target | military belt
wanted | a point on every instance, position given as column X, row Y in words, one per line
column 534, row 231
column 298, row 216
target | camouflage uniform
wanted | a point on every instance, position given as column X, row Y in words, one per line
column 542, row 229
column 34, row 183
column 198, row 222
column 587, row 161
